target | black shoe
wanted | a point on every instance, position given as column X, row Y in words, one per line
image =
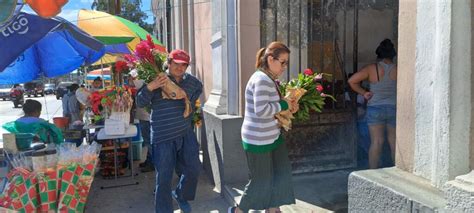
column 148, row 168
column 145, row 164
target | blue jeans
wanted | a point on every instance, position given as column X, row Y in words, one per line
column 382, row 114
column 166, row 155
column 145, row 129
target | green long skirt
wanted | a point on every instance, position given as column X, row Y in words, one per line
column 270, row 184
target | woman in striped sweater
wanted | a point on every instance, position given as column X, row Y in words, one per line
column 270, row 184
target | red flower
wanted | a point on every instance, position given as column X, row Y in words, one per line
column 130, row 59
column 308, row 71
column 121, row 66
column 319, row 88
column 144, row 52
column 149, row 40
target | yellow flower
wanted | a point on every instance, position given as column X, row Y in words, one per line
column 198, row 103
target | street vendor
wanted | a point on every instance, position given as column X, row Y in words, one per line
column 32, row 123
column 96, row 84
column 173, row 139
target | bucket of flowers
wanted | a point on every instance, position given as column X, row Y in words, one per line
column 120, row 68
column 114, row 102
column 150, row 64
column 307, row 90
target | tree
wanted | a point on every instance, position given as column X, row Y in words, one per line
column 129, row 9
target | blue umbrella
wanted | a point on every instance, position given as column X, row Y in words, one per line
column 33, row 46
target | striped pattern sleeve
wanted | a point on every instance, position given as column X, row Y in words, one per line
column 144, row 97
column 264, row 103
column 260, row 129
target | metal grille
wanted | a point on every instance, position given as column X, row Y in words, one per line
column 315, row 31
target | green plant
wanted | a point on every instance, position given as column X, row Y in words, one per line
column 313, row 99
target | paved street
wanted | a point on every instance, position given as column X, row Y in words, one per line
column 51, row 108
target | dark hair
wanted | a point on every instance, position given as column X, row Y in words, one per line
column 31, row 106
column 274, row 49
column 98, row 79
column 73, row 87
column 386, row 49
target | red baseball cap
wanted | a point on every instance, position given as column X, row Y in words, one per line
column 180, row 56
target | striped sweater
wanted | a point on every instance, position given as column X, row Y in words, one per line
column 260, row 130
column 167, row 121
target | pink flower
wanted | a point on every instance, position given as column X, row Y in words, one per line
column 318, row 76
column 308, row 71
column 323, row 95
column 319, row 88
column 130, row 59
column 144, row 52
column 149, row 40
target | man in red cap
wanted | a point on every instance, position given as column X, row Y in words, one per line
column 174, row 143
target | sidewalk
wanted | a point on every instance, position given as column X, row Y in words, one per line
column 319, row 192
column 140, row 198
column 316, row 193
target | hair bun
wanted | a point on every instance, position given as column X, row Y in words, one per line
column 386, row 43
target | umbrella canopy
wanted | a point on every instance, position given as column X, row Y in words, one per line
column 103, row 73
column 110, row 29
column 117, row 34
column 32, row 46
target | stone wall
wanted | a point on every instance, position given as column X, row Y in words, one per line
column 472, row 90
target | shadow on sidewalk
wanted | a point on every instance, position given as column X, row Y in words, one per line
column 140, row 199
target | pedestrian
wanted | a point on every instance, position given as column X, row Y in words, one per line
column 73, row 105
column 270, row 185
column 172, row 137
column 381, row 99
column 65, row 102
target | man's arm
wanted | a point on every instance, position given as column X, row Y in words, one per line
column 144, row 97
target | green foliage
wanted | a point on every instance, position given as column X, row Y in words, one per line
column 312, row 100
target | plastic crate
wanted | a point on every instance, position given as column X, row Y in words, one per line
column 137, row 149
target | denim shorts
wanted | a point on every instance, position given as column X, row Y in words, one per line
column 382, row 114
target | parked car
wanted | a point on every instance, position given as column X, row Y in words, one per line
column 5, row 90
column 49, row 89
column 61, row 89
column 34, row 88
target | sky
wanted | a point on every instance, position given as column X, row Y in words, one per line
column 69, row 11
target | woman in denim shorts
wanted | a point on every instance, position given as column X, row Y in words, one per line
column 381, row 99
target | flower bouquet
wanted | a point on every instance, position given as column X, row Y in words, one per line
column 113, row 103
column 197, row 115
column 149, row 64
column 307, row 91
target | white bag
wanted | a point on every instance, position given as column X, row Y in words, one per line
column 114, row 127
column 82, row 96
column 121, row 116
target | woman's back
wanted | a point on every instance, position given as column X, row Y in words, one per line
column 384, row 89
